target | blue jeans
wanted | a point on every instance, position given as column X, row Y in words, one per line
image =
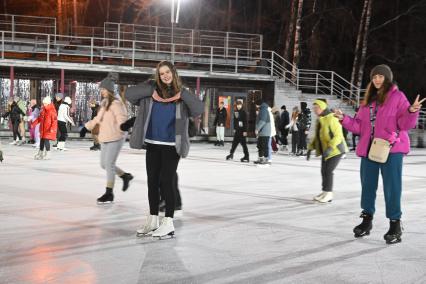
column 392, row 185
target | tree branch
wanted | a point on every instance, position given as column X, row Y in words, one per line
column 397, row 17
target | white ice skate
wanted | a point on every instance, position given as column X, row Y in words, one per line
column 38, row 155
column 151, row 225
column 319, row 196
column 46, row 155
column 327, row 197
column 166, row 229
column 61, row 146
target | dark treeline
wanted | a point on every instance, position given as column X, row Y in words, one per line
column 333, row 33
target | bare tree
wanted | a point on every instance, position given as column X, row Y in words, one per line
column 296, row 50
column 289, row 36
column 355, row 66
column 364, row 46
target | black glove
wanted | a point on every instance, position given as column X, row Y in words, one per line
column 308, row 155
column 83, row 132
column 128, row 124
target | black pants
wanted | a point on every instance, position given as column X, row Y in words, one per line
column 302, row 140
column 262, row 146
column 354, row 141
column 239, row 138
column 15, row 130
column 44, row 143
column 178, row 199
column 283, row 136
column 295, row 142
column 161, row 165
column 327, row 169
column 62, row 126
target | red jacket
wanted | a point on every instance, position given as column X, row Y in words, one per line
column 48, row 122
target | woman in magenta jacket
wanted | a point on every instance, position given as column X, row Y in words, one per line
column 389, row 111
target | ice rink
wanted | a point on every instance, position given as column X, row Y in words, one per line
column 240, row 224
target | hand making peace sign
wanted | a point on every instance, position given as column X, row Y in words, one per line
column 417, row 105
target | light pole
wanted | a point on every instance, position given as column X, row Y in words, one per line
column 174, row 20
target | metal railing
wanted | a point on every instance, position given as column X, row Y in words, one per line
column 136, row 45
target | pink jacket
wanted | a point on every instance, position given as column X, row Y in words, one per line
column 109, row 121
column 392, row 117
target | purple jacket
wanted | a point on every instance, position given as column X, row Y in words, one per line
column 392, row 117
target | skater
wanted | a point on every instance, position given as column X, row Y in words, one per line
column 48, row 127
column 15, row 115
column 284, row 121
column 162, row 124
column 293, row 126
column 305, row 120
column 59, row 97
column 328, row 143
column 63, row 119
column 219, row 122
column 23, row 107
column 1, row 154
column 240, row 132
column 263, row 131
column 109, row 118
column 35, row 130
column 386, row 114
column 126, row 126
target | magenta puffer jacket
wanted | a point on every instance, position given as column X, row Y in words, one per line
column 393, row 121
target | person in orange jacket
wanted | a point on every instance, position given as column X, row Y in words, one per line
column 48, row 127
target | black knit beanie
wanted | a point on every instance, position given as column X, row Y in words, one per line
column 382, row 69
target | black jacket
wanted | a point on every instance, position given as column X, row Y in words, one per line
column 240, row 121
column 14, row 113
column 285, row 119
column 220, row 117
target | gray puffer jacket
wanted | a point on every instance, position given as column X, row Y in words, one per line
column 189, row 106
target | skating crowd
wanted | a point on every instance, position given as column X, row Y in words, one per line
column 164, row 123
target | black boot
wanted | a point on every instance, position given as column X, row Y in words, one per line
column 126, row 177
column 222, row 143
column 393, row 236
column 216, row 143
column 1, row 156
column 245, row 159
column 108, row 197
column 365, row 227
column 230, row 157
column 95, row 147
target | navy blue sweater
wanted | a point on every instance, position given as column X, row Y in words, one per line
column 161, row 126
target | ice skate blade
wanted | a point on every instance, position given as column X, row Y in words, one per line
column 170, row 235
column 391, row 242
column 104, row 203
column 361, row 235
column 141, row 235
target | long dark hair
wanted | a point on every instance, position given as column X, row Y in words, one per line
column 163, row 88
column 378, row 95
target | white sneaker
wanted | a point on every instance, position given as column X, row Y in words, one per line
column 319, row 196
column 13, row 142
column 166, row 228
column 151, row 225
column 327, row 197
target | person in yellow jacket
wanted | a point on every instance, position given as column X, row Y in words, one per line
column 330, row 144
